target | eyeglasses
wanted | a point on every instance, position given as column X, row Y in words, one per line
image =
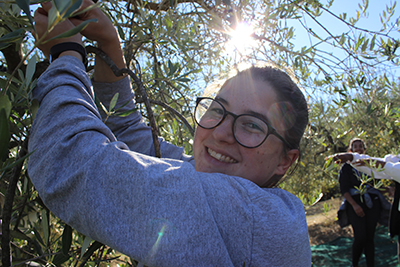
column 248, row 130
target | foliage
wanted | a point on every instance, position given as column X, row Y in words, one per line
column 177, row 48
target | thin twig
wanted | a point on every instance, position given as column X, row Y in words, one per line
column 119, row 72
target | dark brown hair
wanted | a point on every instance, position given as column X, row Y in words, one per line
column 287, row 92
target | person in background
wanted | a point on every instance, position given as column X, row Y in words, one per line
column 362, row 210
column 387, row 167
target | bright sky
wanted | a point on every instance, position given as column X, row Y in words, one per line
column 371, row 22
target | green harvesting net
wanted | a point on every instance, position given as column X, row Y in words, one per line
column 338, row 252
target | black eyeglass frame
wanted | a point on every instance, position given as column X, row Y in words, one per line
column 271, row 130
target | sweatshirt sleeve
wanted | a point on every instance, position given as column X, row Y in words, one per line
column 391, row 170
column 131, row 129
column 158, row 211
column 392, row 166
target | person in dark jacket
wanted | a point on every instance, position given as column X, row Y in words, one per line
column 363, row 207
column 387, row 167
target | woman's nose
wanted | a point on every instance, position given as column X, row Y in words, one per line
column 224, row 132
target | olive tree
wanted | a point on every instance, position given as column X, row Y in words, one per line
column 173, row 50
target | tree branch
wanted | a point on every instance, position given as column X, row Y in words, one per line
column 175, row 112
column 8, row 204
column 119, row 72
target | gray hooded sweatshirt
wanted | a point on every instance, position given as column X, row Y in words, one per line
column 105, row 182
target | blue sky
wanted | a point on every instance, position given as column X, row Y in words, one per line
column 370, row 22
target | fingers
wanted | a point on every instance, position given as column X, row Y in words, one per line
column 86, row 15
column 337, row 158
column 46, row 6
column 42, row 33
column 40, row 17
column 359, row 211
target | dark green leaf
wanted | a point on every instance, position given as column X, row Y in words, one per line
column 75, row 6
column 19, row 235
column 342, row 39
column 34, row 107
column 12, row 36
column 3, row 46
column 95, row 246
column 371, row 47
column 15, row 162
column 368, row 57
column 5, row 104
column 24, row 5
column 38, row 237
column 184, row 80
column 171, row 68
column 73, row 31
column 60, row 259
column 45, row 226
column 61, row 5
column 364, row 46
column 66, row 239
column 4, row 134
column 121, row 32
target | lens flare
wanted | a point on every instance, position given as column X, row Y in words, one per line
column 241, row 39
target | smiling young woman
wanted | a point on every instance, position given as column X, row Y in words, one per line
column 218, row 149
column 213, row 209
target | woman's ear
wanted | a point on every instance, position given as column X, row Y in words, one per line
column 287, row 161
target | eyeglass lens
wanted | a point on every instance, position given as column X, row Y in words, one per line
column 248, row 130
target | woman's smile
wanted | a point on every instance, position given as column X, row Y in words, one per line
column 220, row 157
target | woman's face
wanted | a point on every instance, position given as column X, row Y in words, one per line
column 216, row 150
column 357, row 147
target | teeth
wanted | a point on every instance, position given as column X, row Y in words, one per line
column 220, row 157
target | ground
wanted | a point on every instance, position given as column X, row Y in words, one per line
column 322, row 226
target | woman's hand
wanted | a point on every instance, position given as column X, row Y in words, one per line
column 107, row 38
column 358, row 210
column 341, row 157
column 103, row 31
column 41, row 22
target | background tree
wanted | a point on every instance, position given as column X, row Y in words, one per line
column 174, row 50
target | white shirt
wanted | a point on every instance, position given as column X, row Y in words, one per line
column 390, row 171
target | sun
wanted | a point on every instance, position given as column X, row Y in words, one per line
column 241, row 40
